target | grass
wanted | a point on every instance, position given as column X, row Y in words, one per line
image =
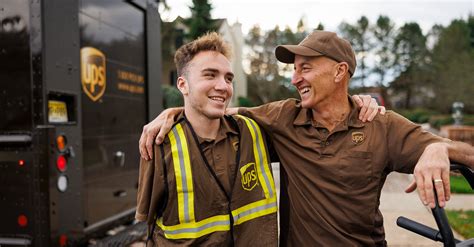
column 460, row 185
column 462, row 222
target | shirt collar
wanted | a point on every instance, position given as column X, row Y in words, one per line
column 225, row 128
column 305, row 116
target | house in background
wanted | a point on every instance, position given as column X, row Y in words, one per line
column 173, row 37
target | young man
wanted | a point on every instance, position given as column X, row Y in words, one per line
column 334, row 165
column 210, row 182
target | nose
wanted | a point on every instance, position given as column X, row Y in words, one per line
column 296, row 78
column 221, row 84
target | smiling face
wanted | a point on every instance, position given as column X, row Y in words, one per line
column 207, row 84
column 314, row 77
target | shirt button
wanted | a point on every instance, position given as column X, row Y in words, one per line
column 327, row 143
column 218, row 157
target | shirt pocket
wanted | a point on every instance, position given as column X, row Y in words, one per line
column 356, row 169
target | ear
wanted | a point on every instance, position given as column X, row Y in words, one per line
column 182, row 85
column 342, row 69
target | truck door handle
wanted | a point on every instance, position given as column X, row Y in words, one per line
column 119, row 158
column 120, row 193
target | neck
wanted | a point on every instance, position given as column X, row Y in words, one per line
column 202, row 125
column 332, row 111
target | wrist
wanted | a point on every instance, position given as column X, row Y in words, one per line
column 438, row 147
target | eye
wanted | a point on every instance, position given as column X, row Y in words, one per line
column 305, row 69
column 229, row 79
column 209, row 75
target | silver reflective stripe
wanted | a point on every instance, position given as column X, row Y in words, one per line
column 262, row 165
column 254, row 210
column 183, row 175
column 198, row 229
column 15, row 241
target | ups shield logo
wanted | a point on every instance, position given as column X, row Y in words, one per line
column 93, row 72
column 249, row 176
column 358, row 137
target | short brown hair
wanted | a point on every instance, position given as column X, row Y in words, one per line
column 208, row 42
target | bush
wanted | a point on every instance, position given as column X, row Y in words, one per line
column 418, row 115
column 245, row 102
column 172, row 97
column 437, row 121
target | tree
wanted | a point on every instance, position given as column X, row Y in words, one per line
column 411, row 63
column 265, row 80
column 384, row 34
column 359, row 36
column 452, row 63
column 319, row 27
column 200, row 21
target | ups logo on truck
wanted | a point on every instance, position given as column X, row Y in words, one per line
column 249, row 176
column 93, row 72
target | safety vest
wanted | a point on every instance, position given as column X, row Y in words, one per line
column 252, row 204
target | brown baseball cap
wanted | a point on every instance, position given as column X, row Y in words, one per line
column 319, row 43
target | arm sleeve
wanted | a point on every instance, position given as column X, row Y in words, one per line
column 268, row 115
column 151, row 185
column 406, row 142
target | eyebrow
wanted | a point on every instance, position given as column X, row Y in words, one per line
column 302, row 64
column 216, row 71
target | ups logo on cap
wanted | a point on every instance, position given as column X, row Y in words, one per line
column 93, row 72
column 249, row 176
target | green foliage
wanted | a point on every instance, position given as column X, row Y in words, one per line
column 172, row 97
column 452, row 63
column 462, row 222
column 200, row 21
column 437, row 121
column 460, row 185
column 358, row 34
column 411, row 62
column 468, row 120
column 266, row 82
column 384, row 33
column 418, row 115
column 245, row 102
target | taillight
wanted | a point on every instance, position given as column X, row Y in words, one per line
column 22, row 220
column 61, row 163
column 62, row 240
column 21, row 162
column 61, row 142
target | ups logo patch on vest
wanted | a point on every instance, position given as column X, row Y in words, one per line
column 93, row 72
column 249, row 176
column 358, row 137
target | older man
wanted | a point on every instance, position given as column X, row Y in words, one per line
column 334, row 165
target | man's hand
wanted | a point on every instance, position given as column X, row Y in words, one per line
column 431, row 170
column 369, row 107
column 161, row 125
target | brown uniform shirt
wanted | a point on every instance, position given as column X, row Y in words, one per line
column 221, row 155
column 331, row 181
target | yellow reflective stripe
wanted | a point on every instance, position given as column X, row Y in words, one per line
column 189, row 175
column 196, row 229
column 177, row 173
column 265, row 178
column 254, row 210
column 183, row 174
column 266, row 163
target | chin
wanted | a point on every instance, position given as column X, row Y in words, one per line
column 215, row 114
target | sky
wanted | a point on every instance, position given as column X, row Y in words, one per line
column 268, row 13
